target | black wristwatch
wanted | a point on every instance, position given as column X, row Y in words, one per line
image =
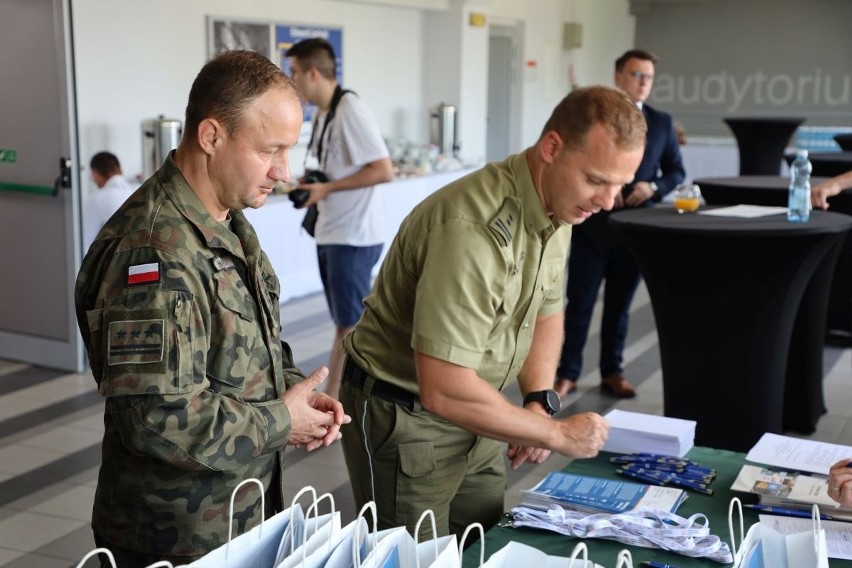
column 547, row 398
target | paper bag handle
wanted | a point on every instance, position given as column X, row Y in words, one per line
column 481, row 530
column 739, row 505
column 817, row 529
column 293, row 503
column 356, row 540
column 581, row 547
column 315, row 508
column 624, row 559
column 427, row 513
column 231, row 510
column 96, row 552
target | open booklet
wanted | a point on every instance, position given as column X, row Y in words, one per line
column 793, row 474
column 598, row 495
column 789, row 489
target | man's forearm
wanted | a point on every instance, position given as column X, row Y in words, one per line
column 380, row 171
column 459, row 395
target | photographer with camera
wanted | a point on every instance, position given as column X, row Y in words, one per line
column 352, row 157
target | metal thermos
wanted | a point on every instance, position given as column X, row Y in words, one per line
column 159, row 137
column 444, row 129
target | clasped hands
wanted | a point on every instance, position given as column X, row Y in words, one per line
column 315, row 417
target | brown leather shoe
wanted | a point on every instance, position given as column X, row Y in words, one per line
column 564, row 387
column 617, row 386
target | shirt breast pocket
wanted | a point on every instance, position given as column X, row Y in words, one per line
column 234, row 353
column 508, row 305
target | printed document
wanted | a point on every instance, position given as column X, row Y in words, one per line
column 798, row 454
column 746, row 211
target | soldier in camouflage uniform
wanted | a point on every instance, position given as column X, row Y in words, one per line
column 469, row 298
column 178, row 308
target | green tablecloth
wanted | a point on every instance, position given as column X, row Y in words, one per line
column 715, row 507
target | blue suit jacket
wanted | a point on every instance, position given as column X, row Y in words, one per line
column 662, row 163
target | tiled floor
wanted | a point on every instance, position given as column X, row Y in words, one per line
column 51, row 423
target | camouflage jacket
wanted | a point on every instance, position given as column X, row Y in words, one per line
column 180, row 318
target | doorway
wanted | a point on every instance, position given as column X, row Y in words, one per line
column 504, row 91
column 39, row 186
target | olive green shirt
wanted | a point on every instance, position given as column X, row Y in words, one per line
column 470, row 270
column 180, row 317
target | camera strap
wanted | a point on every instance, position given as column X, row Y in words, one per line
column 329, row 116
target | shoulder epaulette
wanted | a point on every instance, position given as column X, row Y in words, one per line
column 504, row 223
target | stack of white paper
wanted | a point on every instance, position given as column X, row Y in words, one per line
column 634, row 432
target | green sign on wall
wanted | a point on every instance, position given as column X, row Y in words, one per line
column 8, row 156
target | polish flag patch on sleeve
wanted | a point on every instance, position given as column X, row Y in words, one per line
column 143, row 273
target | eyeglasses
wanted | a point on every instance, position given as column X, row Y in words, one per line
column 638, row 75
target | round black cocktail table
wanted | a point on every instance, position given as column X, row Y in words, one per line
column 740, row 307
column 761, row 142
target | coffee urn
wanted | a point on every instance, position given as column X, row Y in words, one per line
column 159, row 137
column 444, row 129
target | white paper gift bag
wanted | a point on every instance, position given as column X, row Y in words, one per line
column 255, row 548
column 516, row 554
column 439, row 552
column 292, row 536
column 763, row 547
column 395, row 549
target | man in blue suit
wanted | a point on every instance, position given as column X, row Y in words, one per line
column 597, row 253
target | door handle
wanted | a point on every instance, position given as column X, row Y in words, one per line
column 64, row 179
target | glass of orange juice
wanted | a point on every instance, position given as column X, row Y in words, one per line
column 687, row 198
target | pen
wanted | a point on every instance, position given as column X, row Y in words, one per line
column 787, row 512
column 667, row 474
column 640, row 477
column 690, row 484
column 656, row 564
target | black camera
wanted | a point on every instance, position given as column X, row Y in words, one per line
column 300, row 196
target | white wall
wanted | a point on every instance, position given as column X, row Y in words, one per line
column 608, row 31
column 137, row 60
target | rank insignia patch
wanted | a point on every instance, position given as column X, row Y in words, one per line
column 143, row 273
column 135, row 341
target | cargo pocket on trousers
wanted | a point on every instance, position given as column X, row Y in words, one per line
column 416, row 459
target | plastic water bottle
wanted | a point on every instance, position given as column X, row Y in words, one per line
column 799, row 201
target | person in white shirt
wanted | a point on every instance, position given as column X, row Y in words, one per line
column 351, row 152
column 113, row 191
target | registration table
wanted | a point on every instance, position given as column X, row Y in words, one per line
column 730, row 295
column 603, row 552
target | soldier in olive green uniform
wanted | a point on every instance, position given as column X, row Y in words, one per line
column 178, row 307
column 469, row 298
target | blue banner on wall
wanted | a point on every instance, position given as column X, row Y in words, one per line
column 286, row 35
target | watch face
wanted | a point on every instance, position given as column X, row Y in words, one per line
column 553, row 401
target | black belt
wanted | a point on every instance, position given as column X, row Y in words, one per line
column 356, row 377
